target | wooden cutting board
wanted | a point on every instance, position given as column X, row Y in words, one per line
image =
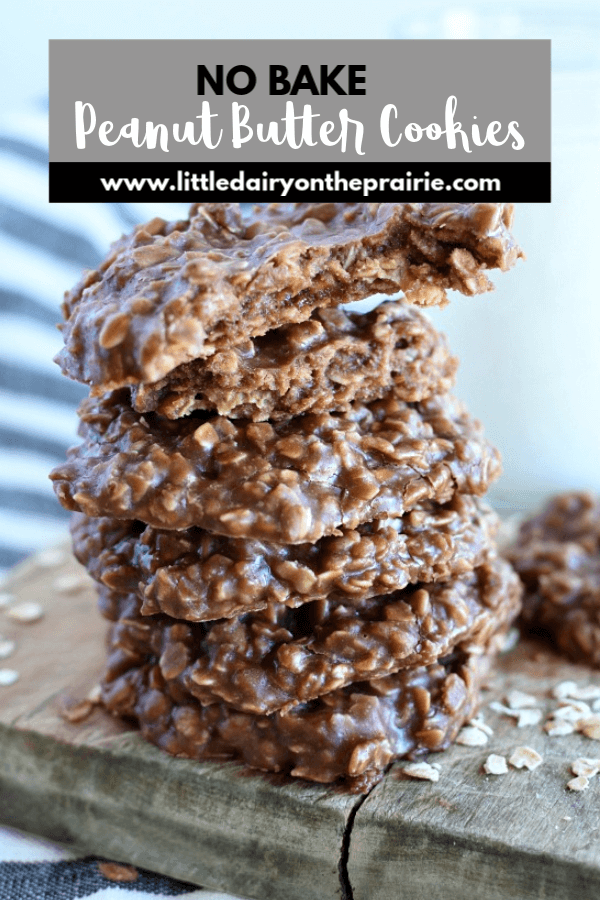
column 99, row 786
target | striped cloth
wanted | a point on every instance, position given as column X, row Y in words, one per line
column 43, row 249
column 35, row 869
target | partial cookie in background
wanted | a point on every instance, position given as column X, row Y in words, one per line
column 170, row 293
column 557, row 555
column 573, row 516
column 349, row 735
column 321, row 365
column 197, row 576
column 279, row 657
column 290, row 482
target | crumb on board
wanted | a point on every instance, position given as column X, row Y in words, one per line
column 78, row 710
column 498, row 707
column 579, row 705
column 587, row 692
column 563, row 689
column 525, row 715
column 570, row 713
column 118, row 871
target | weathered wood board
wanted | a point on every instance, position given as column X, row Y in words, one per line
column 519, row 835
column 97, row 785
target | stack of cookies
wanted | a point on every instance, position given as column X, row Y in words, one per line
column 279, row 499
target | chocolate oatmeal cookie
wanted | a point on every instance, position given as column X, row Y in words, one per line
column 290, row 482
column 349, row 735
column 196, row 575
column 557, row 555
column 174, row 292
column 321, row 365
column 276, row 658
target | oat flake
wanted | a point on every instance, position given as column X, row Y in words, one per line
column 118, row 872
column 470, row 736
column 563, row 689
column 500, row 708
column 559, row 728
column 588, row 692
column 478, row 722
column 524, row 714
column 585, row 766
column 525, row 757
column 581, row 705
column 26, row 612
column 422, row 770
column 495, row 765
column 8, row 677
column 519, row 700
column 7, row 648
column 590, row 729
column 529, row 717
column 69, row 584
column 581, row 783
column 570, row 713
column 50, row 559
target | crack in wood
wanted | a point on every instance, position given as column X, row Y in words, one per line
column 346, row 886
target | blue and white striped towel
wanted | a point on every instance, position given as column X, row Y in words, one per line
column 35, row 869
column 43, row 249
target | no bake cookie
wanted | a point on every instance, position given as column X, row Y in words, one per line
column 279, row 657
column 557, row 555
column 321, row 365
column 348, row 735
column 196, row 575
column 170, row 293
column 290, row 482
